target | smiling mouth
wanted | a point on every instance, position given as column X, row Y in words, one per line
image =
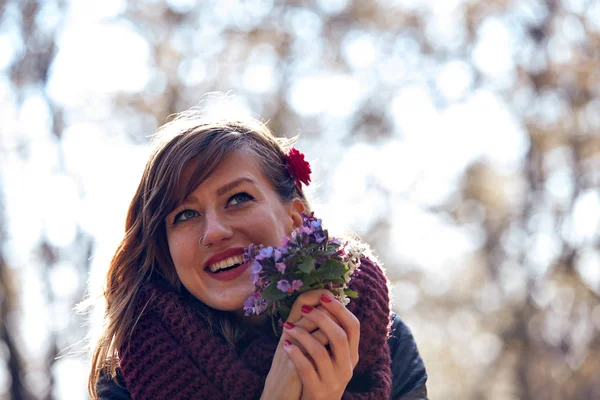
column 226, row 269
column 225, row 265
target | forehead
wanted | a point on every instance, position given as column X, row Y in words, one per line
column 238, row 163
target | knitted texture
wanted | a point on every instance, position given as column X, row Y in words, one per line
column 173, row 354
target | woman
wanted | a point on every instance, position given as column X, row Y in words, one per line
column 174, row 325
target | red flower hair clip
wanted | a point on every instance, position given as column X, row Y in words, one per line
column 298, row 167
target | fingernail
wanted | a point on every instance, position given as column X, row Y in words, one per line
column 286, row 343
column 326, row 299
column 306, row 309
column 288, row 325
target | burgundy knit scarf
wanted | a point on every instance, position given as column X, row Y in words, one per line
column 173, row 354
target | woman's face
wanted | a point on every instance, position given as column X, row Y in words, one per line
column 235, row 206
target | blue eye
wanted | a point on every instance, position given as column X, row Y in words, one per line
column 185, row 215
column 239, row 198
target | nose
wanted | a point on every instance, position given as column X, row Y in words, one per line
column 216, row 229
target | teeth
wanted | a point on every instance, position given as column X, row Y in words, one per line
column 228, row 262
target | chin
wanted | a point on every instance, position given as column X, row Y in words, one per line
column 231, row 305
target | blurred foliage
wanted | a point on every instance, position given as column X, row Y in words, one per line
column 517, row 318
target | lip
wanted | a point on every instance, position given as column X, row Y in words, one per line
column 235, row 251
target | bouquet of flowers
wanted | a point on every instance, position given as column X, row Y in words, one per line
column 307, row 260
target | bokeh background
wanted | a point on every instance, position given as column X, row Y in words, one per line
column 461, row 138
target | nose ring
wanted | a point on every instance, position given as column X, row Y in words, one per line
column 200, row 242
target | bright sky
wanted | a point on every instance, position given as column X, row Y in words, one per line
column 92, row 184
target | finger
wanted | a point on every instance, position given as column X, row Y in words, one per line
column 338, row 339
column 317, row 351
column 316, row 334
column 305, row 368
column 320, row 337
column 311, row 298
column 347, row 320
column 310, row 325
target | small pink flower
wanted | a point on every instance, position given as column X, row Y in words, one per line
column 296, row 284
column 280, row 267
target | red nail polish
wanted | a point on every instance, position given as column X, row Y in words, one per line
column 286, row 343
column 306, row 309
column 326, row 299
column 288, row 325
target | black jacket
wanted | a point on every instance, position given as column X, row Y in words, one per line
column 408, row 370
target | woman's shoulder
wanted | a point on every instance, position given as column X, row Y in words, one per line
column 408, row 369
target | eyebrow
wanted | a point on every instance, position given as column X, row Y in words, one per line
column 232, row 185
column 225, row 188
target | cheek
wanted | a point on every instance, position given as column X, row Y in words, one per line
column 284, row 225
column 182, row 249
column 287, row 228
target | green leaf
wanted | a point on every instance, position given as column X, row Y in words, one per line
column 328, row 252
column 284, row 312
column 271, row 292
column 276, row 331
column 311, row 247
column 308, row 265
column 307, row 280
column 351, row 293
column 332, row 269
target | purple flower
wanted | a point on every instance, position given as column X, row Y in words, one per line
column 267, row 252
column 256, row 270
column 256, row 267
column 306, row 230
column 248, row 252
column 319, row 238
column 280, row 267
column 336, row 241
column 248, row 303
column 284, row 286
column 296, row 284
column 255, row 304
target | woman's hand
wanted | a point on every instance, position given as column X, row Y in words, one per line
column 324, row 373
column 311, row 298
column 282, row 381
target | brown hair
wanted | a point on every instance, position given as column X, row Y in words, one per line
column 143, row 254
